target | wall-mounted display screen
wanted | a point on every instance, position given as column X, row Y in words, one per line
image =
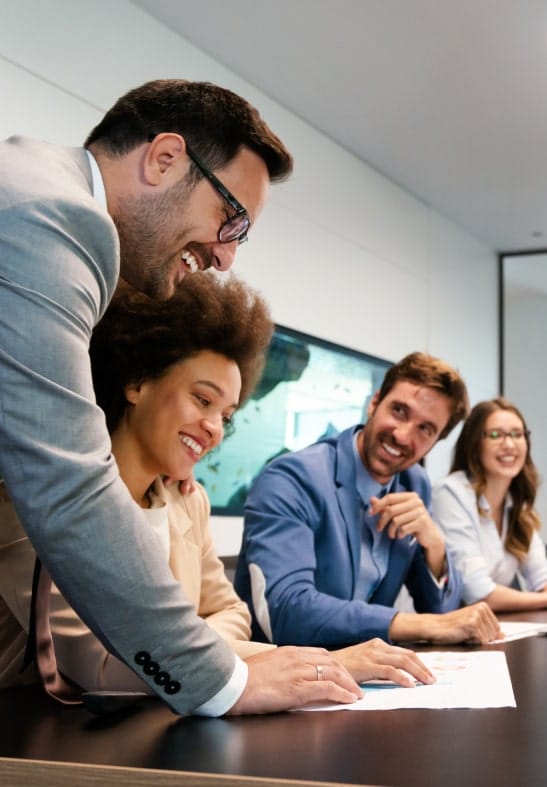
column 310, row 388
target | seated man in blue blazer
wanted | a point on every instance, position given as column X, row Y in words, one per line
column 334, row 531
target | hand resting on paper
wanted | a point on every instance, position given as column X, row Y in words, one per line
column 288, row 677
column 377, row 659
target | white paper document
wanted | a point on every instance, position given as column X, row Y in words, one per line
column 465, row 679
column 519, row 629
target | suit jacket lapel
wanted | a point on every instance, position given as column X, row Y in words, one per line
column 348, row 499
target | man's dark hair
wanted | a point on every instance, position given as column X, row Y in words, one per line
column 138, row 339
column 430, row 372
column 214, row 122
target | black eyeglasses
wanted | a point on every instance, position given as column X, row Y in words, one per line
column 497, row 435
column 235, row 227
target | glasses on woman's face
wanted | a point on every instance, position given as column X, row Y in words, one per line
column 498, row 435
column 235, row 227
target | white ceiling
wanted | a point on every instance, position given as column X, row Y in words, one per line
column 448, row 98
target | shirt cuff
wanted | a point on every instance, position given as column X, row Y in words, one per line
column 441, row 582
column 228, row 695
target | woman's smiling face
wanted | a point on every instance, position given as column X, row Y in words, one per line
column 173, row 421
column 503, row 457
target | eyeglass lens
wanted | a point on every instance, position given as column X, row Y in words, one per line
column 235, row 228
column 498, row 434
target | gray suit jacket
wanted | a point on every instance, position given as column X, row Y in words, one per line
column 80, row 655
column 59, row 263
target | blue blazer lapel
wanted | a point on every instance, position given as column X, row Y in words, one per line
column 348, row 499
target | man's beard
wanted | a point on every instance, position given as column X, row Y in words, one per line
column 142, row 224
column 381, row 465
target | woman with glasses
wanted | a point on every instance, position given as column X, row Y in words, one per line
column 485, row 508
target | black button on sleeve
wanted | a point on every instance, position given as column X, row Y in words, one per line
column 142, row 657
column 152, row 668
column 162, row 678
column 172, row 687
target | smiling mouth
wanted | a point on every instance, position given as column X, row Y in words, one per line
column 190, row 261
column 192, row 444
column 391, row 450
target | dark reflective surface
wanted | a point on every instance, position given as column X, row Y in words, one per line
column 460, row 747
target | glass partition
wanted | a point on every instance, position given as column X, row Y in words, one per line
column 524, row 366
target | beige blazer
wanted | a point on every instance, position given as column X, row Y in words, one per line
column 80, row 655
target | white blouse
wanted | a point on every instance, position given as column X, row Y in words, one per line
column 478, row 548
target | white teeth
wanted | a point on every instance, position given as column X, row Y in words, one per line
column 196, row 447
column 391, row 450
column 190, row 260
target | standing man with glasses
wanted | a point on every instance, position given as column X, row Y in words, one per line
column 169, row 182
column 486, row 509
column 334, row 531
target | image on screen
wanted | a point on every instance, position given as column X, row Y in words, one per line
column 310, row 389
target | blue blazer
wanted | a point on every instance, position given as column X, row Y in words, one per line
column 302, row 546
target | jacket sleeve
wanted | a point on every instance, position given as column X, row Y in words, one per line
column 225, row 611
column 283, row 529
column 428, row 594
column 80, row 655
column 55, row 453
column 219, row 604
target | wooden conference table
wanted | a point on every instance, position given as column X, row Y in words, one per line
column 402, row 748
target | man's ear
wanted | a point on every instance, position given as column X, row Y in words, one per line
column 373, row 404
column 165, row 160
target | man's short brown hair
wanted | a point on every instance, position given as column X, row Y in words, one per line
column 215, row 122
column 430, row 372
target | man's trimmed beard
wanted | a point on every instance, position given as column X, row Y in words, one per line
column 142, row 223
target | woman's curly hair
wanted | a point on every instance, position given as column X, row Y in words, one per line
column 139, row 339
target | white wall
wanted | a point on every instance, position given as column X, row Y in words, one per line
column 341, row 252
